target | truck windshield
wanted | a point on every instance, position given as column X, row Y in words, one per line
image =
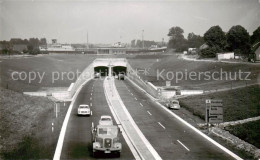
column 108, row 131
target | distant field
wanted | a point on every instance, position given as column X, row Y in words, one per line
column 171, row 63
column 248, row 132
column 43, row 64
column 237, row 104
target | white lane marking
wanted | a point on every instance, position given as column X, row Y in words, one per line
column 132, row 94
column 135, row 98
column 91, row 94
column 60, row 60
column 65, row 124
column 91, row 113
column 184, row 145
column 189, row 125
column 90, row 98
column 161, row 125
column 90, row 104
column 149, row 113
column 141, row 104
column 128, row 90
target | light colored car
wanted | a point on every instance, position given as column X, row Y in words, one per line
column 173, row 104
column 121, row 76
column 84, row 109
column 105, row 120
column 97, row 75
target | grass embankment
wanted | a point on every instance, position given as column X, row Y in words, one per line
column 248, row 132
column 25, row 128
column 238, row 104
column 173, row 64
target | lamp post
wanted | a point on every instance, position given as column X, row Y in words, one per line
column 143, row 38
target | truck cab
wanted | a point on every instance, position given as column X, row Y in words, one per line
column 106, row 139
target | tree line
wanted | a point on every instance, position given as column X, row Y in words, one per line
column 236, row 40
column 32, row 45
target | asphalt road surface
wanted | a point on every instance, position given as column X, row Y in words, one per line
column 170, row 138
column 77, row 141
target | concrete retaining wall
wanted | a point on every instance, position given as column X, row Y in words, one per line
column 191, row 92
column 147, row 86
column 88, row 73
column 168, row 94
column 42, row 94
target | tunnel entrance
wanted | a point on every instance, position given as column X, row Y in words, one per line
column 119, row 69
column 103, row 70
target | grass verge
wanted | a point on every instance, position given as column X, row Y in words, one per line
column 238, row 104
column 248, row 132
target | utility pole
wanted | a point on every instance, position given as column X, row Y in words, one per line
column 143, row 38
column 87, row 41
column 162, row 42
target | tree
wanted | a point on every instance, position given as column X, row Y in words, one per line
column 215, row 37
column 43, row 41
column 255, row 38
column 194, row 41
column 133, row 43
column 177, row 39
column 238, row 40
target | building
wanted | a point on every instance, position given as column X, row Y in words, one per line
column 192, row 50
column 257, row 54
column 229, row 55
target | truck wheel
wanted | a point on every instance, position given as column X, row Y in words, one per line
column 94, row 154
column 118, row 154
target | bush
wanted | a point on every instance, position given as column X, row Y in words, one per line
column 35, row 51
column 209, row 52
column 248, row 132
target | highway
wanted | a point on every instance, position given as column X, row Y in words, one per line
column 170, row 138
column 77, row 141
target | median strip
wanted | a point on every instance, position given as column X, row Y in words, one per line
column 139, row 141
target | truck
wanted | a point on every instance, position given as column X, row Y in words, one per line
column 105, row 139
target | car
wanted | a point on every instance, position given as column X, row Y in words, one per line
column 97, row 75
column 121, row 76
column 105, row 120
column 173, row 104
column 84, row 109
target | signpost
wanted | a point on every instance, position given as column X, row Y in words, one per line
column 214, row 111
column 168, row 83
column 57, row 108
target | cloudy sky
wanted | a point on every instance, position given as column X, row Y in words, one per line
column 121, row 20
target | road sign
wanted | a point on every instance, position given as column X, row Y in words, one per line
column 168, row 83
column 159, row 90
column 214, row 111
